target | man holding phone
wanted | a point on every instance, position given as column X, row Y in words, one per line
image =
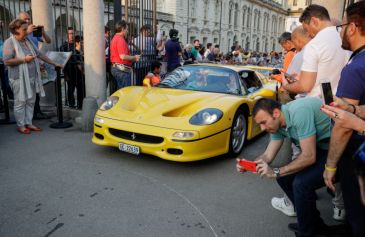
column 36, row 34
column 307, row 127
column 344, row 142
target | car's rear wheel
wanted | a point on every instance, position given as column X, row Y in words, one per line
column 238, row 134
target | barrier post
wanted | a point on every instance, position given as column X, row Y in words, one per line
column 60, row 123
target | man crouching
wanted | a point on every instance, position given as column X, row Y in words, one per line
column 309, row 129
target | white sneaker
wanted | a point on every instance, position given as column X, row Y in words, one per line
column 284, row 205
column 339, row 214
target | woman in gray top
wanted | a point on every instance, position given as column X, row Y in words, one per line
column 21, row 57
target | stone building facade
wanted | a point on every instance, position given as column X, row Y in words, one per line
column 253, row 24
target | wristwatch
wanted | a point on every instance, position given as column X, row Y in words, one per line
column 276, row 172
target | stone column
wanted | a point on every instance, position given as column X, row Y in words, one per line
column 94, row 49
column 42, row 14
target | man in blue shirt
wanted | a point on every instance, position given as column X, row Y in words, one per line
column 35, row 40
column 173, row 51
column 344, row 142
column 308, row 128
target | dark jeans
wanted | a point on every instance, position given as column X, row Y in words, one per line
column 122, row 78
column 355, row 210
column 301, row 189
column 75, row 81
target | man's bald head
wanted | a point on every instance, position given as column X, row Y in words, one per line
column 24, row 16
column 300, row 37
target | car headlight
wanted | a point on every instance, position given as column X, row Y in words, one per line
column 109, row 103
column 206, row 117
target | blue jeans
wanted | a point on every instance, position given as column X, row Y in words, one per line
column 301, row 189
column 122, row 78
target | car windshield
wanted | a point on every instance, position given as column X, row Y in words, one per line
column 203, row 78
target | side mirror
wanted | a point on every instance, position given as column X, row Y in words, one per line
column 263, row 93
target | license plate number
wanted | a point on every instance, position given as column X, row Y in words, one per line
column 129, row 148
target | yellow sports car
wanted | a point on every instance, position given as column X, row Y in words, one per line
column 196, row 112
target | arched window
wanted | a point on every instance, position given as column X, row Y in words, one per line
column 193, row 9
column 235, row 14
column 248, row 17
column 217, row 10
column 244, row 16
column 230, row 13
column 206, row 8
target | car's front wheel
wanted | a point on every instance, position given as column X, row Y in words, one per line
column 238, row 134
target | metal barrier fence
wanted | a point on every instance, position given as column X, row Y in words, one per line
column 141, row 14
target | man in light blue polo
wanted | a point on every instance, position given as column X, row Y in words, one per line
column 307, row 127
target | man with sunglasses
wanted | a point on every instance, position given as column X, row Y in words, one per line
column 344, row 142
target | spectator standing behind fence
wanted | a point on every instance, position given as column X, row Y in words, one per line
column 145, row 45
column 35, row 40
column 24, row 74
column 173, row 51
column 107, row 53
column 120, row 57
column 73, row 77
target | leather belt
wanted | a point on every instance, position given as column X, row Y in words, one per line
column 122, row 67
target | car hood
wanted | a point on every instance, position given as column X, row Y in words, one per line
column 163, row 107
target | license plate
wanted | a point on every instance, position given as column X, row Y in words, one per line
column 129, row 148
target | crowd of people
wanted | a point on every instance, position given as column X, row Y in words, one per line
column 325, row 153
column 326, row 139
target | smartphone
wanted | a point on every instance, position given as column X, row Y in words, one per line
column 327, row 93
column 248, row 165
column 38, row 31
column 276, row 71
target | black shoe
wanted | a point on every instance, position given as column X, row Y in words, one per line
column 325, row 230
column 39, row 116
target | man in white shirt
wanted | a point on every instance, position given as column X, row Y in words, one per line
column 323, row 58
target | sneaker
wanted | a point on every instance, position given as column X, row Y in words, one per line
column 339, row 214
column 284, row 205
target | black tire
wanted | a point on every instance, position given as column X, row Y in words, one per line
column 238, row 134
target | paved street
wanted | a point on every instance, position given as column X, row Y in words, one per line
column 57, row 183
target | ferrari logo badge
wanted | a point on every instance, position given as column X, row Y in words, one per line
column 133, row 136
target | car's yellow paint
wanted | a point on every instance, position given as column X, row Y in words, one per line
column 161, row 112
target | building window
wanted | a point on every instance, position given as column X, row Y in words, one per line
column 295, row 3
column 230, row 13
column 193, row 8
column 206, row 7
column 235, row 14
column 248, row 17
column 192, row 38
column 243, row 17
column 215, row 40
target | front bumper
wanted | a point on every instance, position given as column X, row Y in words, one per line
column 164, row 145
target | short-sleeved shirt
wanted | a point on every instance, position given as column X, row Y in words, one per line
column 352, row 83
column 172, row 49
column 324, row 55
column 34, row 40
column 9, row 53
column 304, row 119
column 119, row 46
column 288, row 59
